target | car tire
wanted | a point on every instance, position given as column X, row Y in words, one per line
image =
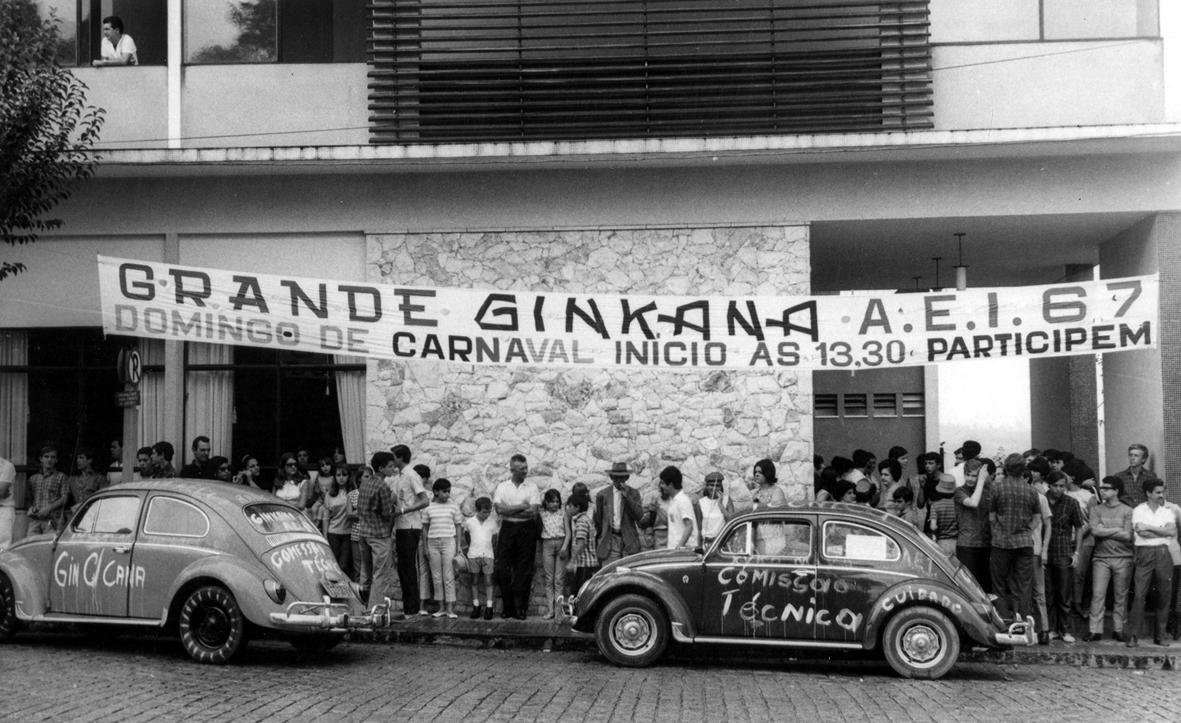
column 921, row 642
column 212, row 628
column 632, row 631
column 315, row 643
column 8, row 620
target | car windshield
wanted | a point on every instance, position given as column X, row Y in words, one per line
column 270, row 518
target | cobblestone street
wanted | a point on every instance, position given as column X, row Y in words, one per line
column 69, row 677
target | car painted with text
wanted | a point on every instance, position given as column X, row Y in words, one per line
column 216, row 562
column 810, row 575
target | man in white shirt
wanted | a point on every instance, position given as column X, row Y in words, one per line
column 7, row 506
column 411, row 497
column 682, row 520
column 1153, row 525
column 117, row 48
column 517, row 502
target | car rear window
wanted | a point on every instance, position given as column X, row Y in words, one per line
column 269, row 519
column 170, row 516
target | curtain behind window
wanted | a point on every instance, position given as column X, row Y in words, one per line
column 14, row 397
column 350, row 398
column 151, row 385
column 209, row 400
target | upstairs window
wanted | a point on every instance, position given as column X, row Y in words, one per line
column 274, row 31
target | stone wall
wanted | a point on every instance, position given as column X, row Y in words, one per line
column 465, row 421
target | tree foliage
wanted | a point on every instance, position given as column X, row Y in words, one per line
column 47, row 130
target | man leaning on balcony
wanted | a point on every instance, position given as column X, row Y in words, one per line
column 118, row 48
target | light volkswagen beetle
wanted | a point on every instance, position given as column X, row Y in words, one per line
column 814, row 575
column 212, row 560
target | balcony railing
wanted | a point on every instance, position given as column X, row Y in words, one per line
column 510, row 70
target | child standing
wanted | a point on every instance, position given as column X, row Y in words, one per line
column 583, row 561
column 336, row 517
column 481, row 535
column 441, row 527
column 553, row 539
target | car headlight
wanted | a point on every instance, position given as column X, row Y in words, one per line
column 275, row 591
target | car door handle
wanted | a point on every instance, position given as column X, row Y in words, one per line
column 122, row 549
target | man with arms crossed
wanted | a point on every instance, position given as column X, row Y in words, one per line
column 1111, row 526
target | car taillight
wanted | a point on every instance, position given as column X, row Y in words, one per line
column 275, row 591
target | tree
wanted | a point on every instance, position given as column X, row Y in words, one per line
column 47, row 130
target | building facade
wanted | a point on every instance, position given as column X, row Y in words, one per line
column 650, row 147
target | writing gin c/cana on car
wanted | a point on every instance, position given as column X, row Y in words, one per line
column 217, row 563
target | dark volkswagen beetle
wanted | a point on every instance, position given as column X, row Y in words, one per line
column 210, row 559
column 813, row 575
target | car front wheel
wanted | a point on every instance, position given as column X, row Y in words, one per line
column 921, row 642
column 632, row 631
column 8, row 619
column 211, row 625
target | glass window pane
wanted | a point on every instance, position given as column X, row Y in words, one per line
column 116, row 515
column 168, row 516
column 146, row 21
column 230, row 31
column 66, row 11
column 847, row 541
column 774, row 538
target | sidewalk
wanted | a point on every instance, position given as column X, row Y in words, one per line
column 538, row 634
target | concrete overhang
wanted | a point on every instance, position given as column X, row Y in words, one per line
column 898, row 147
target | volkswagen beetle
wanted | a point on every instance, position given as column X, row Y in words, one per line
column 812, row 575
column 213, row 561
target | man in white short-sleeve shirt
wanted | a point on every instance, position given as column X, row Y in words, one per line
column 1153, row 526
column 411, row 497
column 516, row 501
column 682, row 520
column 117, row 47
column 7, row 502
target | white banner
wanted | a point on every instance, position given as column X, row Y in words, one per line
column 468, row 326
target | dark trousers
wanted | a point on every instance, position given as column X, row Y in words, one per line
column 516, row 553
column 976, row 560
column 406, row 550
column 1012, row 580
column 342, row 550
column 1153, row 565
column 1060, row 595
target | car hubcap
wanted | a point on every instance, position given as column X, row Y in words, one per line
column 921, row 644
column 633, row 632
column 213, row 627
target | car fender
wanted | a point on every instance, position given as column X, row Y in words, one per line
column 242, row 578
column 930, row 594
column 30, row 585
column 622, row 582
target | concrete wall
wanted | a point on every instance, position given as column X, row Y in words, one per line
column 965, row 21
column 840, row 436
column 1133, row 376
column 465, row 421
column 275, row 105
column 1025, row 85
column 136, row 104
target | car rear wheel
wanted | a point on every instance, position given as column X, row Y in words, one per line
column 632, row 631
column 316, row 643
column 211, row 625
column 921, row 642
column 8, row 619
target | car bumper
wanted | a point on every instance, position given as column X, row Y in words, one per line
column 333, row 617
column 1022, row 632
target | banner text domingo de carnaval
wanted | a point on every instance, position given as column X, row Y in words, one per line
column 469, row 326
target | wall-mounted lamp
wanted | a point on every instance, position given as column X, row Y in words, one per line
column 961, row 270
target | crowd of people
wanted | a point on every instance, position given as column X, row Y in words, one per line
column 1040, row 531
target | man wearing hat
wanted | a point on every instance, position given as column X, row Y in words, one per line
column 617, row 516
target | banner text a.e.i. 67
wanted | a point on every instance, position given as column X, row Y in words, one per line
column 468, row 326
